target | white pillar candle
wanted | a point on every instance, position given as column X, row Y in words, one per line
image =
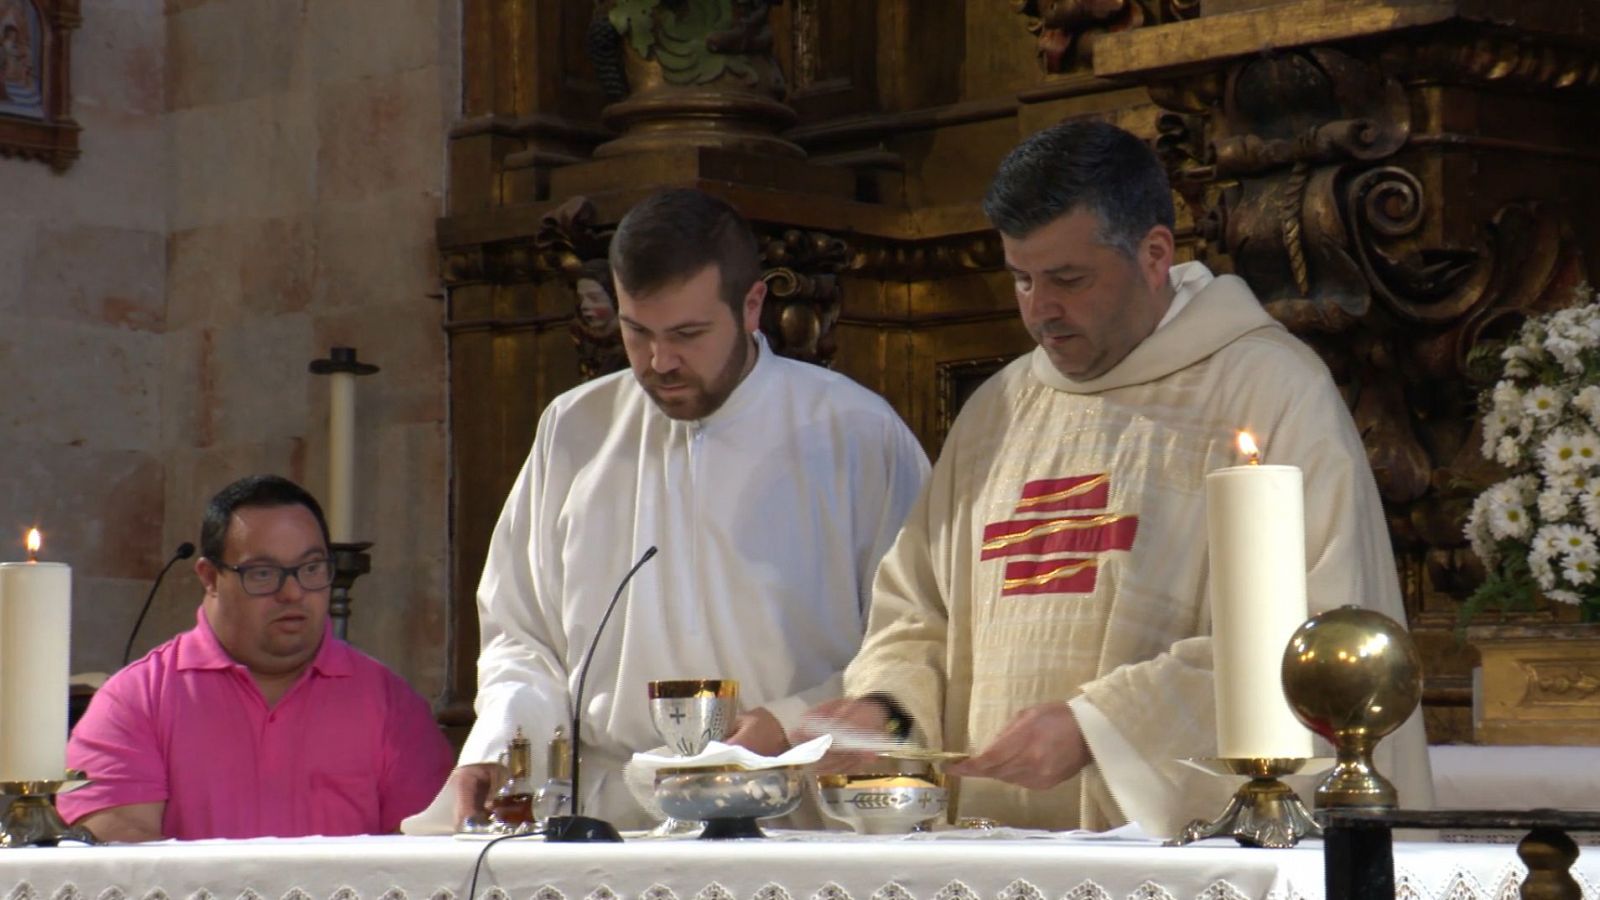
column 341, row 455
column 35, row 629
column 1255, row 517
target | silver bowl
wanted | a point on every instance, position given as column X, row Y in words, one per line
column 882, row 804
column 729, row 800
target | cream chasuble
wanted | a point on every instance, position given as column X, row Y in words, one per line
column 1058, row 553
column 770, row 514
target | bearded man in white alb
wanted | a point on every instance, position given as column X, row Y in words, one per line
column 772, row 488
column 1046, row 604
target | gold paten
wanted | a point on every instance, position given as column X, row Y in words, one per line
column 880, row 780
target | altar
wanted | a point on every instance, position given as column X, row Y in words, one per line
column 1005, row 865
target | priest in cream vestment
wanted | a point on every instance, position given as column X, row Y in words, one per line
column 1045, row 605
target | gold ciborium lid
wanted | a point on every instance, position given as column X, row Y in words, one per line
column 1353, row 676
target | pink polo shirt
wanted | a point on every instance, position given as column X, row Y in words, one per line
column 350, row 749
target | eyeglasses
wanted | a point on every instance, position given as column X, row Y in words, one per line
column 261, row 579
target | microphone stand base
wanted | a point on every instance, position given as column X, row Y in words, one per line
column 580, row 830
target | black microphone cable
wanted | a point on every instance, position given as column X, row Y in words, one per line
column 184, row 551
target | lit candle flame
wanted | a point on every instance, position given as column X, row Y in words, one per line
column 1247, row 446
column 35, row 540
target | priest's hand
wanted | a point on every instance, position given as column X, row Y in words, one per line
column 471, row 785
column 759, row 732
column 1039, row 748
column 846, row 715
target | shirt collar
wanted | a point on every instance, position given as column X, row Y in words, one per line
column 200, row 649
column 1187, row 279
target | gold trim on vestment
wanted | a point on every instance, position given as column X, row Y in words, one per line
column 1051, row 527
column 1072, row 568
column 1073, row 491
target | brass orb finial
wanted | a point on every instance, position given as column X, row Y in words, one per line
column 1353, row 676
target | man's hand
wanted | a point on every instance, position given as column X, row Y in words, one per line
column 1039, row 748
column 759, row 732
column 471, row 785
column 865, row 717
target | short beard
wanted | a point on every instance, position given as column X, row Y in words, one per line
column 703, row 400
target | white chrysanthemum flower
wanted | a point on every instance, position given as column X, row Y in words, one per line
column 1590, row 504
column 1508, row 452
column 1546, row 541
column 1532, row 335
column 1579, row 570
column 1555, row 503
column 1586, row 444
column 1564, row 597
column 1477, row 531
column 1559, row 452
column 1525, row 486
column 1542, row 571
column 1509, row 521
column 1568, row 354
column 1493, row 431
column 1506, row 396
column 1544, row 403
column 1570, row 539
column 1517, row 361
column 1587, row 402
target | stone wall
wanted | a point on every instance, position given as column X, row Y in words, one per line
column 82, row 322
column 270, row 193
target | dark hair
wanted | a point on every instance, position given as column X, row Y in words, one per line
column 252, row 490
column 1084, row 164
column 672, row 235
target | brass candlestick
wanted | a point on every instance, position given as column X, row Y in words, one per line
column 1264, row 812
column 1353, row 676
column 31, row 820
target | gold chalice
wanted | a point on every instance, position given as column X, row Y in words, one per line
column 1353, row 676
column 690, row 713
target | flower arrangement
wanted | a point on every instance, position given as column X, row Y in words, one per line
column 1538, row 531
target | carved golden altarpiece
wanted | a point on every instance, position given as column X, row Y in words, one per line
column 1398, row 179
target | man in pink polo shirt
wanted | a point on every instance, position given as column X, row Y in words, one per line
column 258, row 721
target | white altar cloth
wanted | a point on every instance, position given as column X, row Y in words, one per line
column 837, row 867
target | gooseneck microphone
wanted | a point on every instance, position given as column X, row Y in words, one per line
column 576, row 828
column 184, row 551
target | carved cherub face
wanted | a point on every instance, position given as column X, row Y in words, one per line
column 595, row 305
